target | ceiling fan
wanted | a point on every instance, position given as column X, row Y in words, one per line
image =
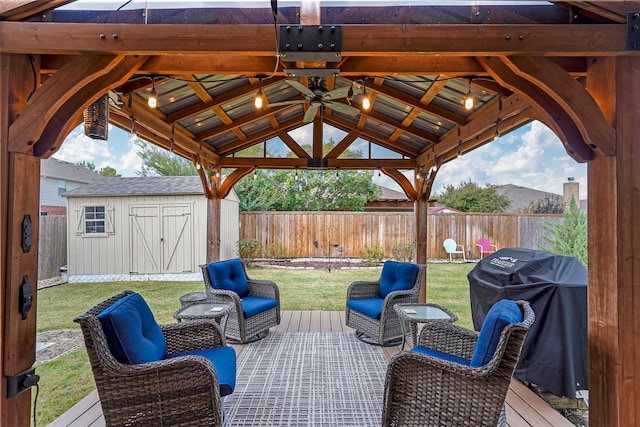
column 318, row 95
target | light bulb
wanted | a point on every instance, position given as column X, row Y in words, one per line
column 258, row 101
column 153, row 99
column 366, row 104
column 468, row 101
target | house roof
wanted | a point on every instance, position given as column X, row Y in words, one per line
column 54, row 168
column 140, row 186
column 523, row 197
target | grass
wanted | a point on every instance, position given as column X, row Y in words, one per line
column 68, row 379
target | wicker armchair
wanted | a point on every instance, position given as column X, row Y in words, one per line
column 436, row 384
column 255, row 303
column 182, row 389
column 370, row 304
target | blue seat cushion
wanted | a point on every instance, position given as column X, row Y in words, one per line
column 397, row 276
column 253, row 305
column 132, row 332
column 441, row 355
column 503, row 313
column 224, row 362
column 229, row 276
column 371, row 307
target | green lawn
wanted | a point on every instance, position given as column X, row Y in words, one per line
column 67, row 379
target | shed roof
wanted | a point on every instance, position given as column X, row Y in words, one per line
column 140, row 186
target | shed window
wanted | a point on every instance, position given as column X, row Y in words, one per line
column 94, row 220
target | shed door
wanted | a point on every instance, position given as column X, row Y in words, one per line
column 161, row 239
column 177, row 254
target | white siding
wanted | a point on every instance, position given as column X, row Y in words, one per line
column 110, row 254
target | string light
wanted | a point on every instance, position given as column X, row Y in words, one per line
column 296, row 177
column 258, row 101
column 152, row 101
column 366, row 102
column 468, row 100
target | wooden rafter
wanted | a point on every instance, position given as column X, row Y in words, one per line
column 571, row 96
column 16, row 10
column 548, row 110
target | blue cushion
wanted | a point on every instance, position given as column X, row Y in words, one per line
column 224, row 362
column 371, row 307
column 503, row 313
column 440, row 355
column 132, row 332
column 253, row 305
column 397, row 276
column 229, row 276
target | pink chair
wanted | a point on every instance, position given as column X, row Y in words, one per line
column 485, row 247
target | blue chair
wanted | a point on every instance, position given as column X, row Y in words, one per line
column 454, row 374
column 255, row 303
column 370, row 304
column 149, row 374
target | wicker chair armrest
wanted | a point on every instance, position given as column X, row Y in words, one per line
column 363, row 289
column 192, row 335
column 221, row 296
column 181, row 369
column 448, row 338
column 397, row 297
column 263, row 288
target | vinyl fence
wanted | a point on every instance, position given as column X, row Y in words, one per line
column 348, row 234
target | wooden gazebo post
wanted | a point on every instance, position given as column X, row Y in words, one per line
column 614, row 249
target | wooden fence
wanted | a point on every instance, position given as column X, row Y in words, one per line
column 348, row 234
column 52, row 246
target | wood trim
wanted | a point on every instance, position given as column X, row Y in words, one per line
column 402, row 181
column 358, row 39
column 231, row 180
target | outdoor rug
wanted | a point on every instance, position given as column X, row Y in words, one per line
column 308, row 379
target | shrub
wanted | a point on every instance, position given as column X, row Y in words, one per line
column 570, row 236
column 373, row 255
column 249, row 250
column 403, row 252
column 274, row 251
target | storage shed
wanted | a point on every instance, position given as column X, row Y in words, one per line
column 144, row 228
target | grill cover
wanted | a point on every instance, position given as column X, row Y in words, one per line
column 554, row 353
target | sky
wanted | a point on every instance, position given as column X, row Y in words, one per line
column 531, row 157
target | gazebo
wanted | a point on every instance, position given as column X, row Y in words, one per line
column 574, row 66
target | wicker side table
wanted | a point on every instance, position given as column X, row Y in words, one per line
column 412, row 314
column 204, row 310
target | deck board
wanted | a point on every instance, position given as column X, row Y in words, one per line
column 524, row 407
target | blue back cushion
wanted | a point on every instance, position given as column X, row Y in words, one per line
column 503, row 313
column 229, row 276
column 397, row 276
column 132, row 332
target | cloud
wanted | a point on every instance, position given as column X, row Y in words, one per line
column 78, row 147
column 530, row 157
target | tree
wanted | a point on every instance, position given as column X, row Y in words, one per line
column 105, row 171
column 308, row 190
column 110, row 172
column 157, row 161
column 546, row 205
column 568, row 237
column 470, row 197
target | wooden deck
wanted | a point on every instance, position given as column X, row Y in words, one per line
column 524, row 407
